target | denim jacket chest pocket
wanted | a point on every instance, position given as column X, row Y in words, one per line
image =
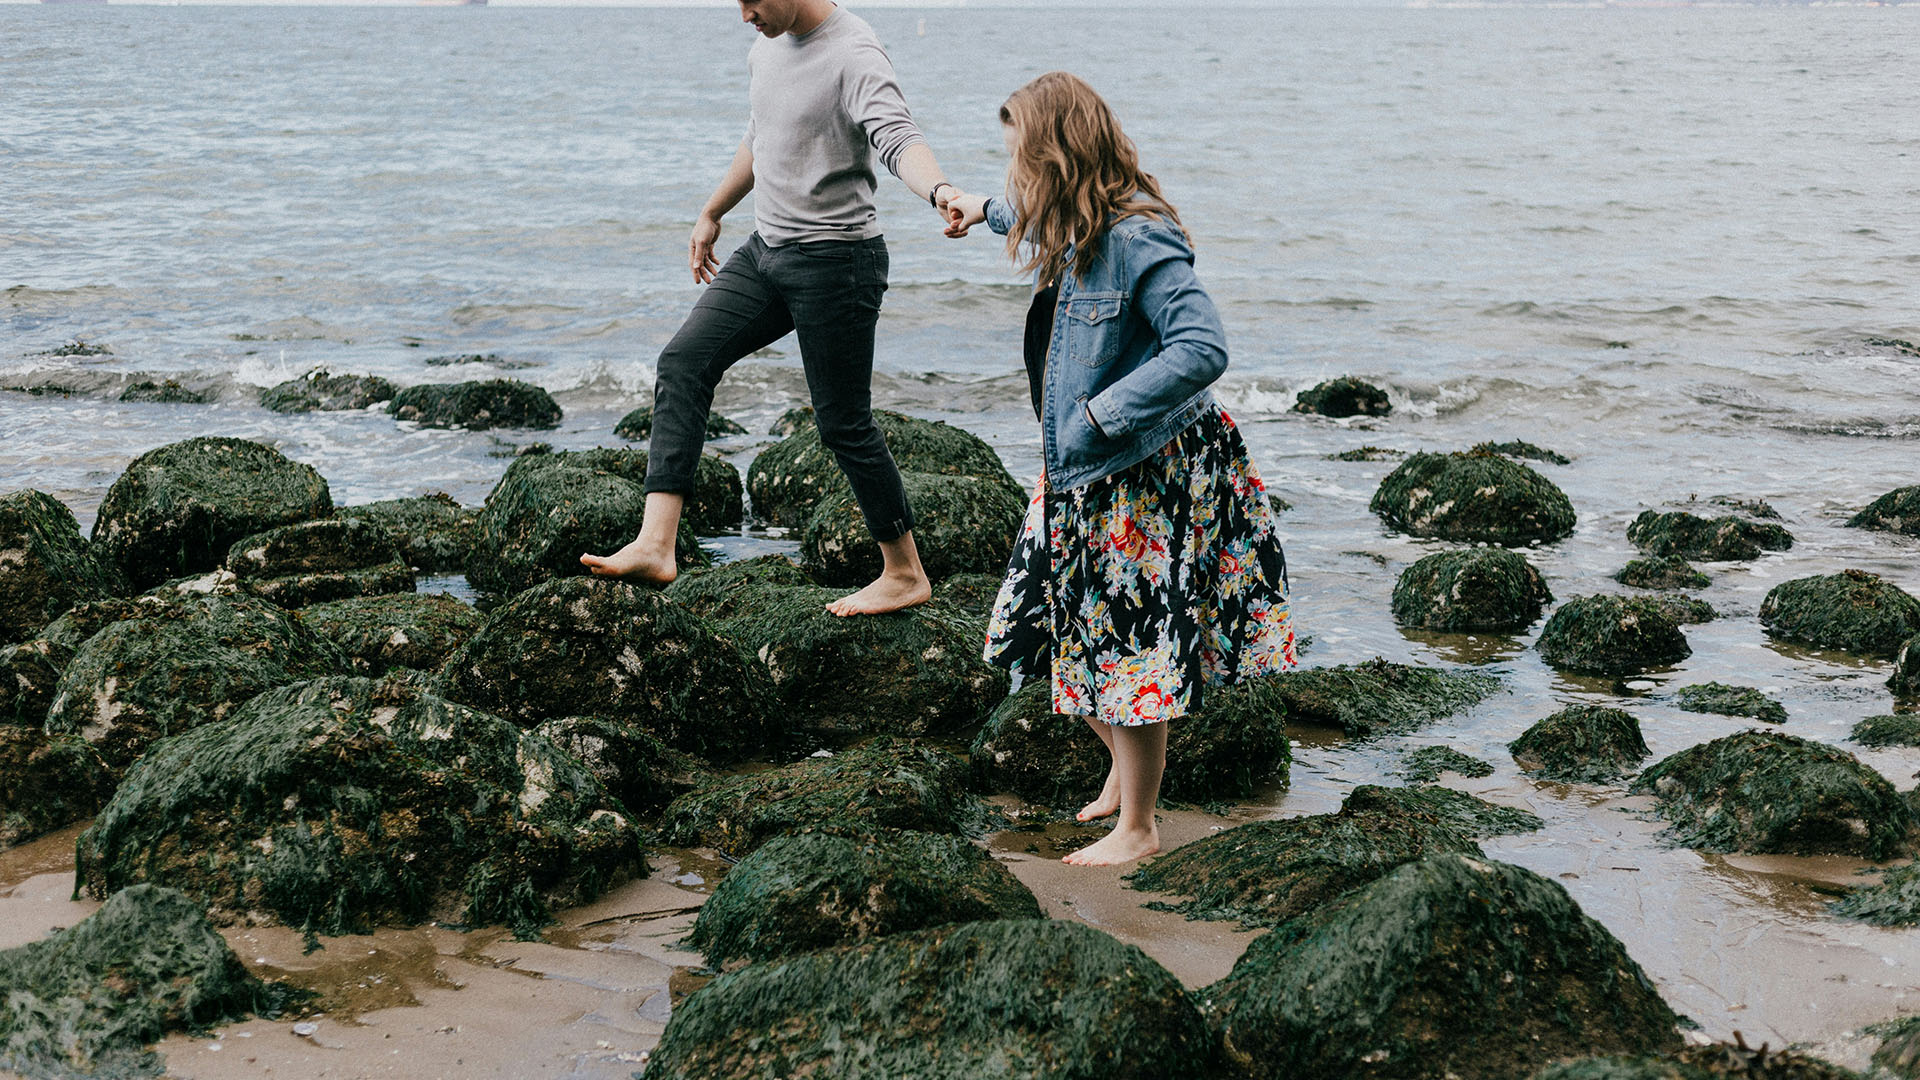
column 1095, row 329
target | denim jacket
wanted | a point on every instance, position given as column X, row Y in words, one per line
column 1136, row 341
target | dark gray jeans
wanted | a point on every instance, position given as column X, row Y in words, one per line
column 829, row 293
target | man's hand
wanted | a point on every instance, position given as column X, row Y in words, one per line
column 962, row 211
column 700, row 256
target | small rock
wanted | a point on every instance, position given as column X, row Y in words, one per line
column 637, row 425
column 169, row 392
column 1896, row 511
column 1473, row 498
column 1342, row 397
column 1489, row 589
column 1379, row 697
column 1581, row 744
column 1662, row 573
column 1612, row 635
column 1678, row 534
column 477, row 406
column 1520, row 449
column 319, row 391
column 1894, row 729
column 1853, row 610
column 1724, row 700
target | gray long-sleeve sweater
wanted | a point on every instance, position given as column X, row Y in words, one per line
column 823, row 103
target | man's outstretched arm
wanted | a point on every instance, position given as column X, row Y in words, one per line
column 706, row 228
column 918, row 170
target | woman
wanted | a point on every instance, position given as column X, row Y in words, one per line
column 1148, row 568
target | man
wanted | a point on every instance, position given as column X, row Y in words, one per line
column 823, row 102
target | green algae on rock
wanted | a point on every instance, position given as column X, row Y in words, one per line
column 1379, row 697
column 603, row 647
column 1469, row 816
column 343, row 804
column 87, row 1000
column 790, row 478
column 1724, row 700
column 1678, row 534
column 638, row 425
column 1897, row 729
column 166, row 392
column 1473, row 498
column 46, row 566
column 1664, row 572
column 961, row 525
column 1367, row 453
column 1714, row 1061
column 1853, row 611
column 972, row 594
column 1905, row 680
column 815, row 889
column 476, row 406
column 1038, row 999
column 1424, row 765
column 1896, row 511
column 644, row 773
column 910, row 672
column 47, row 782
column 312, row 562
column 29, row 672
column 1470, row 589
column 1233, row 744
column 1684, row 610
column 1767, row 793
column 1581, row 744
column 1519, row 448
column 1343, row 397
column 1899, row 1049
column 178, row 664
column 1612, row 635
column 1449, row 966
column 1893, row 901
column 321, row 391
column 1622, row 1068
column 178, row 508
column 435, row 532
column 885, row 784
column 409, row 630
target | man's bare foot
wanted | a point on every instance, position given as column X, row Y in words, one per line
column 1118, row 846
column 636, row 562
column 1107, row 803
column 887, row 593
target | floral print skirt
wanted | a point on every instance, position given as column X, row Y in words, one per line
column 1139, row 590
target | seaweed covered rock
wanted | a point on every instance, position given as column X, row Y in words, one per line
column 1581, row 744
column 1892, row 901
column 1905, row 680
column 1470, row 589
column 1853, row 611
column 1449, row 966
column 47, row 782
column 1664, row 572
column 973, row 594
column 910, row 672
column 1713, row 1061
column 1424, row 766
column 29, row 672
column 1341, row 397
column 549, row 509
column 1612, row 635
column 1684, row 610
column 603, row 647
column 1766, row 793
column 799, row 418
column 885, row 784
column 1234, row 743
column 409, row 630
column 1723, row 700
column 343, row 804
column 1520, row 448
column 1379, row 697
column 477, row 406
column 177, row 509
column 165, row 392
column 644, row 773
column 638, row 425
column 434, row 532
column 814, row 890
column 46, row 566
column 1622, row 1068
column 1896, row 511
column 321, row 391
column 1897, row 729
column 311, row 562
column 792, row 477
column 1678, row 534
column 961, row 525
column 87, row 1000
column 1047, row 1000
column 1473, row 498
column 178, row 664
column 1471, row 817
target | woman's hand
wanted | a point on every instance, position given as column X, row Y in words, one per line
column 963, row 211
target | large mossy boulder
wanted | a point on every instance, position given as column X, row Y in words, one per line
column 47, row 782
column 1612, row 635
column 1853, row 611
column 87, row 1000
column 1665, row 572
column 885, row 784
column 1723, row 700
column 321, row 391
column 549, row 509
column 406, row 630
column 789, row 479
column 961, row 525
column 1473, row 498
column 1896, row 511
column 1037, row 999
column 1452, row 966
column 343, row 804
column 1234, row 744
column 177, row 664
column 644, row 773
column 1342, row 397
column 46, row 566
column 815, row 890
column 1379, row 697
column 637, row 426
column 476, row 406
column 1678, row 534
column 1489, row 589
column 911, row 672
column 1581, row 744
column 312, row 562
column 601, row 647
column 1905, row 680
column 1766, row 793
column 177, row 509
column 433, row 531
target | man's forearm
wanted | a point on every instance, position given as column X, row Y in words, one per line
column 918, row 169
column 733, row 186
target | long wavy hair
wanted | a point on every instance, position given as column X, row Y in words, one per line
column 1073, row 174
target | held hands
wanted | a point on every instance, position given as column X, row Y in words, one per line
column 700, row 256
column 961, row 210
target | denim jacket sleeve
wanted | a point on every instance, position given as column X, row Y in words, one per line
column 1193, row 346
column 1000, row 215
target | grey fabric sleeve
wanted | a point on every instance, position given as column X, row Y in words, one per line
column 871, row 95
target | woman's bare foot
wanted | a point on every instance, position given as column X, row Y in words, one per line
column 635, row 561
column 1107, row 803
column 889, row 592
column 1118, row 846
